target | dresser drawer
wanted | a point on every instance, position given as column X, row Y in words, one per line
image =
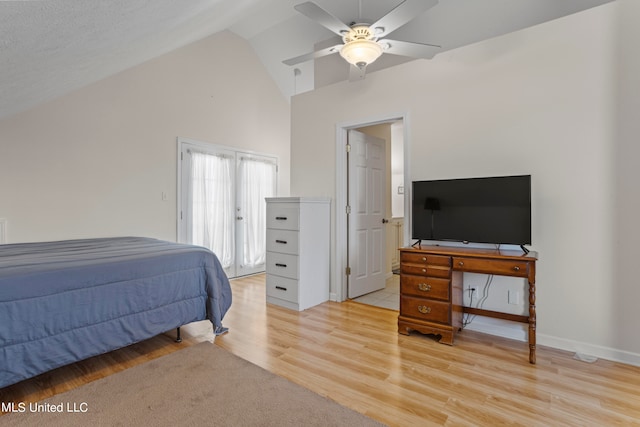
column 425, row 270
column 282, row 288
column 284, row 265
column 283, row 241
column 425, row 309
column 420, row 258
column 425, row 287
column 500, row 267
column 283, row 216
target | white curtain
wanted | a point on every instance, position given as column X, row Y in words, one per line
column 212, row 204
column 257, row 181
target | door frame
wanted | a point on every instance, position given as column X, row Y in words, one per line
column 341, row 237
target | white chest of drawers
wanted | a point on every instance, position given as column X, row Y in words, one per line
column 298, row 267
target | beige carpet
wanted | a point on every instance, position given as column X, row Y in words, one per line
column 201, row 385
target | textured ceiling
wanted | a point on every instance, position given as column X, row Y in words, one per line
column 51, row 47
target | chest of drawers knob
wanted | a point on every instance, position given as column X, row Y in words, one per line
column 424, row 309
column 425, row 287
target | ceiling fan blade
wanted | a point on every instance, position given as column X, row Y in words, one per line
column 313, row 55
column 322, row 17
column 414, row 50
column 403, row 13
column 356, row 73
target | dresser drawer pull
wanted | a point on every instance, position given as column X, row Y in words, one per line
column 280, row 265
column 424, row 270
column 425, row 287
column 281, row 218
column 460, row 263
column 516, row 268
column 284, row 242
column 281, row 288
column 424, row 258
column 424, row 309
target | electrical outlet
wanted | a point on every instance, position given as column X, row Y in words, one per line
column 514, row 297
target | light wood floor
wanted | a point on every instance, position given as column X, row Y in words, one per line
column 352, row 353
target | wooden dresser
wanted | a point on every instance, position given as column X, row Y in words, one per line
column 431, row 288
column 430, row 295
column 297, row 260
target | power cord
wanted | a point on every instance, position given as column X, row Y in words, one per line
column 485, row 291
column 485, row 294
column 467, row 317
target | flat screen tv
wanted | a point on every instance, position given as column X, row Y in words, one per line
column 482, row 210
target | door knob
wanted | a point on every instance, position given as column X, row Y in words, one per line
column 239, row 218
column 384, row 221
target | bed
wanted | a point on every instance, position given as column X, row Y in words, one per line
column 61, row 302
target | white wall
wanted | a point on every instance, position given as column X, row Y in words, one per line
column 541, row 101
column 96, row 162
column 623, row 284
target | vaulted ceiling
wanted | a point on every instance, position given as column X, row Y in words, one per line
column 51, row 47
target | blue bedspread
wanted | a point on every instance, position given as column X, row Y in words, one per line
column 61, row 302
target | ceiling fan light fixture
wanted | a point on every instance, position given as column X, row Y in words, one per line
column 361, row 52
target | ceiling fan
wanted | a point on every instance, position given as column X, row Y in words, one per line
column 363, row 43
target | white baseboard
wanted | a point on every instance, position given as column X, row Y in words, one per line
column 519, row 332
column 601, row 352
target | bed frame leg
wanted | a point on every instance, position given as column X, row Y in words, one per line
column 178, row 337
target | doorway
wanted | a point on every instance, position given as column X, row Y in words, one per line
column 396, row 191
column 221, row 203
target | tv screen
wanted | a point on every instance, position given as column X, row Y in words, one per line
column 483, row 210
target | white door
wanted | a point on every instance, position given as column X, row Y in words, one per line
column 256, row 182
column 222, row 204
column 367, row 231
